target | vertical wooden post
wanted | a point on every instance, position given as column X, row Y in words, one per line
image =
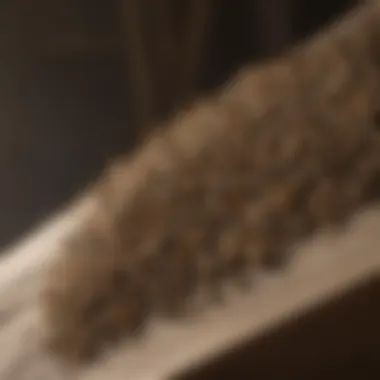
column 198, row 25
column 275, row 20
column 137, row 60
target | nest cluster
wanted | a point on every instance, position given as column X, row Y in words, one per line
column 224, row 189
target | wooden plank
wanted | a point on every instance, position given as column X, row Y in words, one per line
column 323, row 268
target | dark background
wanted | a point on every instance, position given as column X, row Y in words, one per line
column 338, row 341
column 66, row 105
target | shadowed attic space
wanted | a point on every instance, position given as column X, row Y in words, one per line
column 55, row 136
column 339, row 263
column 65, row 115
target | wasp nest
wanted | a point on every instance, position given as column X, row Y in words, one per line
column 286, row 147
